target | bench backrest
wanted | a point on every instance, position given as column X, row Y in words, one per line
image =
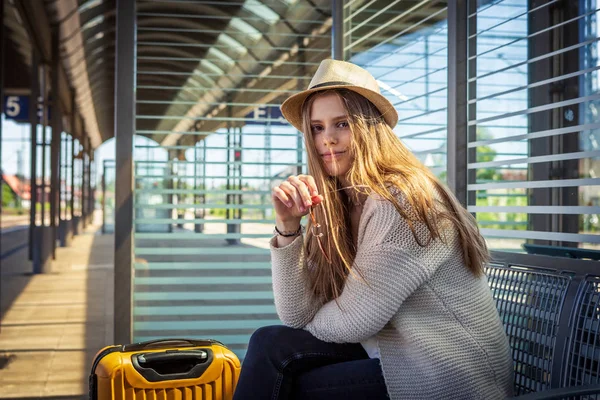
column 530, row 303
column 582, row 349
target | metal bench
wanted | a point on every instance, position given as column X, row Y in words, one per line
column 552, row 320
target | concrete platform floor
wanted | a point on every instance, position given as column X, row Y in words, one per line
column 54, row 323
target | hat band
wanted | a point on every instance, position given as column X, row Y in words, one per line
column 332, row 83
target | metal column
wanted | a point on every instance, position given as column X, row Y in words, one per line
column 84, row 161
column 124, row 130
column 33, row 121
column 55, row 141
column 92, row 178
column 234, row 173
column 544, row 42
column 457, row 99
column 199, row 185
column 88, row 179
column 170, row 180
column 104, row 197
column 338, row 40
column 72, row 198
column 300, row 85
column 471, row 73
column 44, row 123
column 200, row 213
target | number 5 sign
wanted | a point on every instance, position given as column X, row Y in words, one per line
column 17, row 108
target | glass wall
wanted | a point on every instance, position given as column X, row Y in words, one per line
column 16, row 169
column 211, row 142
column 208, row 91
column 78, row 179
column 533, row 125
column 108, row 196
column 404, row 44
column 66, row 179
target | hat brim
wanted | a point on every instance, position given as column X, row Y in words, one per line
column 292, row 106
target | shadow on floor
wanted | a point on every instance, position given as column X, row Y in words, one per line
column 56, row 322
column 99, row 329
column 15, row 267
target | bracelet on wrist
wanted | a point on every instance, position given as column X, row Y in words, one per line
column 289, row 233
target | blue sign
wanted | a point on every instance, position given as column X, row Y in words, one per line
column 17, row 108
column 264, row 115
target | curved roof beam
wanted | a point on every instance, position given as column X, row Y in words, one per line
column 86, row 6
column 226, row 53
column 77, row 79
column 229, row 43
column 103, row 36
column 245, row 31
column 198, row 109
column 176, row 23
column 84, row 26
column 262, row 11
column 194, row 80
column 165, row 36
column 161, row 50
column 211, row 66
column 185, row 8
column 198, row 74
column 80, row 66
column 160, row 80
column 232, row 45
column 17, row 33
column 173, row 65
column 223, row 58
column 70, row 34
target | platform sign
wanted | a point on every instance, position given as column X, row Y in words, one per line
column 17, row 108
column 264, row 114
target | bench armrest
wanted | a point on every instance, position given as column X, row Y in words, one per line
column 560, row 393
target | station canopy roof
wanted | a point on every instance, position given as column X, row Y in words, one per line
column 209, row 61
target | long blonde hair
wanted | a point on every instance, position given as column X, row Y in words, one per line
column 381, row 163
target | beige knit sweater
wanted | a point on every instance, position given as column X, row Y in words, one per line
column 435, row 323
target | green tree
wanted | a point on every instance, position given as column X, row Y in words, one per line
column 8, row 197
column 486, row 154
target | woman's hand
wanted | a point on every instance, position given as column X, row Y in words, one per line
column 293, row 199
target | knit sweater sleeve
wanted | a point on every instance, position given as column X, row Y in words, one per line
column 294, row 301
column 390, row 272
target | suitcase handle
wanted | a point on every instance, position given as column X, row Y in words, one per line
column 168, row 343
column 172, row 364
column 146, row 360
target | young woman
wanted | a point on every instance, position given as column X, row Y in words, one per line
column 383, row 294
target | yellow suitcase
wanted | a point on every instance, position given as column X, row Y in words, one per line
column 173, row 369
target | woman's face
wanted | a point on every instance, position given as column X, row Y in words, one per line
column 331, row 133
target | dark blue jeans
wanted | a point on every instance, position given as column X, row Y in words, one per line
column 287, row 363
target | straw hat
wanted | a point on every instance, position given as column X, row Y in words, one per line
column 334, row 74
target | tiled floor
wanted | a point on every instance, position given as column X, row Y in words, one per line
column 57, row 321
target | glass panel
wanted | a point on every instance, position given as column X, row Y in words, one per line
column 406, row 48
column 15, row 168
column 533, row 121
column 210, row 145
column 108, row 197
